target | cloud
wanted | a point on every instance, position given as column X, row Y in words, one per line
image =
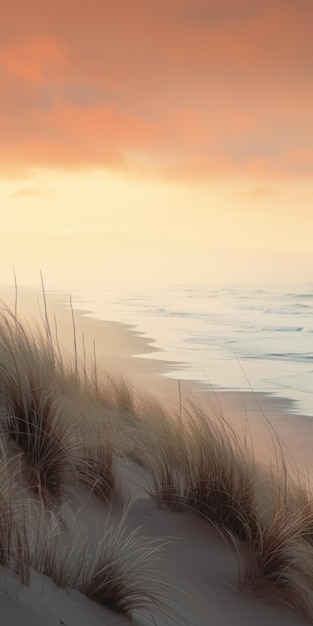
column 157, row 87
column 258, row 192
column 25, row 192
column 30, row 59
column 204, row 14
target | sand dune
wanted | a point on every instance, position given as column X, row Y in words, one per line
column 122, row 507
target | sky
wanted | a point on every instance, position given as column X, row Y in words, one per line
column 156, row 141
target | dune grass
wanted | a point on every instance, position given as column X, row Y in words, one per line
column 199, row 465
column 48, row 446
column 122, row 574
column 62, row 426
column 96, row 460
column 32, row 418
column 15, row 513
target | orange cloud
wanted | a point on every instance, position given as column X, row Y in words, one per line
column 30, row 59
column 162, row 87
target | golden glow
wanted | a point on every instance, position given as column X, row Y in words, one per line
column 94, row 227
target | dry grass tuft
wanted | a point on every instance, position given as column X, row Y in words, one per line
column 28, row 371
column 14, row 518
column 278, row 557
column 197, row 464
column 58, row 553
column 95, row 461
column 119, row 571
column 121, row 574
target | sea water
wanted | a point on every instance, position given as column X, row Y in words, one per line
column 233, row 338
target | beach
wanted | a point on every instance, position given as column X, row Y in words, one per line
column 156, row 313
column 261, row 415
column 200, row 566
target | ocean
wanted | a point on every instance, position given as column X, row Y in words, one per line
column 234, row 338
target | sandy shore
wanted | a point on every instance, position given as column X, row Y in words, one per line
column 265, row 418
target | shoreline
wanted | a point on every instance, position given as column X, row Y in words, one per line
column 117, row 344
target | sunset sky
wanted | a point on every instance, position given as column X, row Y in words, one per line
column 156, row 140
